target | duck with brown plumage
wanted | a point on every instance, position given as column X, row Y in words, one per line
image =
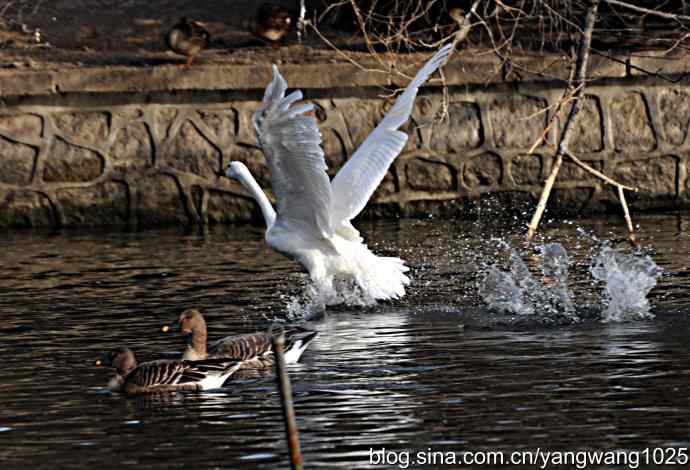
column 188, row 38
column 253, row 349
column 165, row 375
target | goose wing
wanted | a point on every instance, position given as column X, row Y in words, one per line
column 360, row 176
column 291, row 142
column 242, row 347
column 155, row 373
column 258, row 345
column 198, row 371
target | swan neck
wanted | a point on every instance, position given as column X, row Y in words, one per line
column 259, row 196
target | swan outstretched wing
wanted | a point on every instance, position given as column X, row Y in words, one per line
column 292, row 145
column 360, row 176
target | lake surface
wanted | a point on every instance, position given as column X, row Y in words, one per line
column 436, row 370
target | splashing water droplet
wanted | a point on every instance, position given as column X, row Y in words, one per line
column 314, row 299
column 500, row 291
column 517, row 291
column 628, row 279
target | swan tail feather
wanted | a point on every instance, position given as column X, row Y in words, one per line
column 381, row 278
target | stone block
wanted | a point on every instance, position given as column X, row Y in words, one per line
column 674, row 107
column 105, row 203
column 71, row 164
column 160, row 200
column 588, row 127
column 654, row 177
column 163, row 121
column 461, row 131
column 132, row 148
column 527, row 169
column 21, row 126
column 631, row 125
column 360, row 116
column 429, row 175
column 25, row 208
column 517, row 121
column 226, row 207
column 485, row 170
column 18, row 161
column 189, row 151
column 570, row 171
column 87, row 127
column 223, row 124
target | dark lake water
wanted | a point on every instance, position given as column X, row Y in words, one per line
column 434, row 370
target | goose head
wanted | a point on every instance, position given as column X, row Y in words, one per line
column 122, row 359
column 191, row 321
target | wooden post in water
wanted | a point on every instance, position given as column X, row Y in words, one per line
column 278, row 341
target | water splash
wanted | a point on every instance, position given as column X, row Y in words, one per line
column 627, row 281
column 554, row 267
column 314, row 298
column 516, row 291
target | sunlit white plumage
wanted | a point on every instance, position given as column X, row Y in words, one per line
column 312, row 221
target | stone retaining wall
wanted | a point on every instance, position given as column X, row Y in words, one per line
column 154, row 157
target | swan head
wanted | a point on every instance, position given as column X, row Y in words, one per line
column 236, row 170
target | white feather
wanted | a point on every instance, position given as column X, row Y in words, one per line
column 361, row 175
column 312, row 224
column 215, row 379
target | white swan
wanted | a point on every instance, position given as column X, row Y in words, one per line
column 312, row 223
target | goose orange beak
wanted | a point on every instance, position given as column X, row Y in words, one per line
column 170, row 328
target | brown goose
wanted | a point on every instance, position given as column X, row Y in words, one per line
column 273, row 22
column 188, row 38
column 253, row 349
column 164, row 375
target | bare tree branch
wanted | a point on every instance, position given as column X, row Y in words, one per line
column 579, row 86
column 647, row 11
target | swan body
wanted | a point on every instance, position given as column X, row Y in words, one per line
column 312, row 222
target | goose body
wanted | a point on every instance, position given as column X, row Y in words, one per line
column 254, row 350
column 312, row 222
column 164, row 375
column 188, row 38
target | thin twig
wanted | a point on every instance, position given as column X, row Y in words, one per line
column 599, row 174
column 626, row 213
column 647, row 11
column 554, row 118
column 278, row 341
column 578, row 86
column 300, row 21
column 340, row 52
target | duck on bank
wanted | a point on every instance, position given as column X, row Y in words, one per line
column 188, row 38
